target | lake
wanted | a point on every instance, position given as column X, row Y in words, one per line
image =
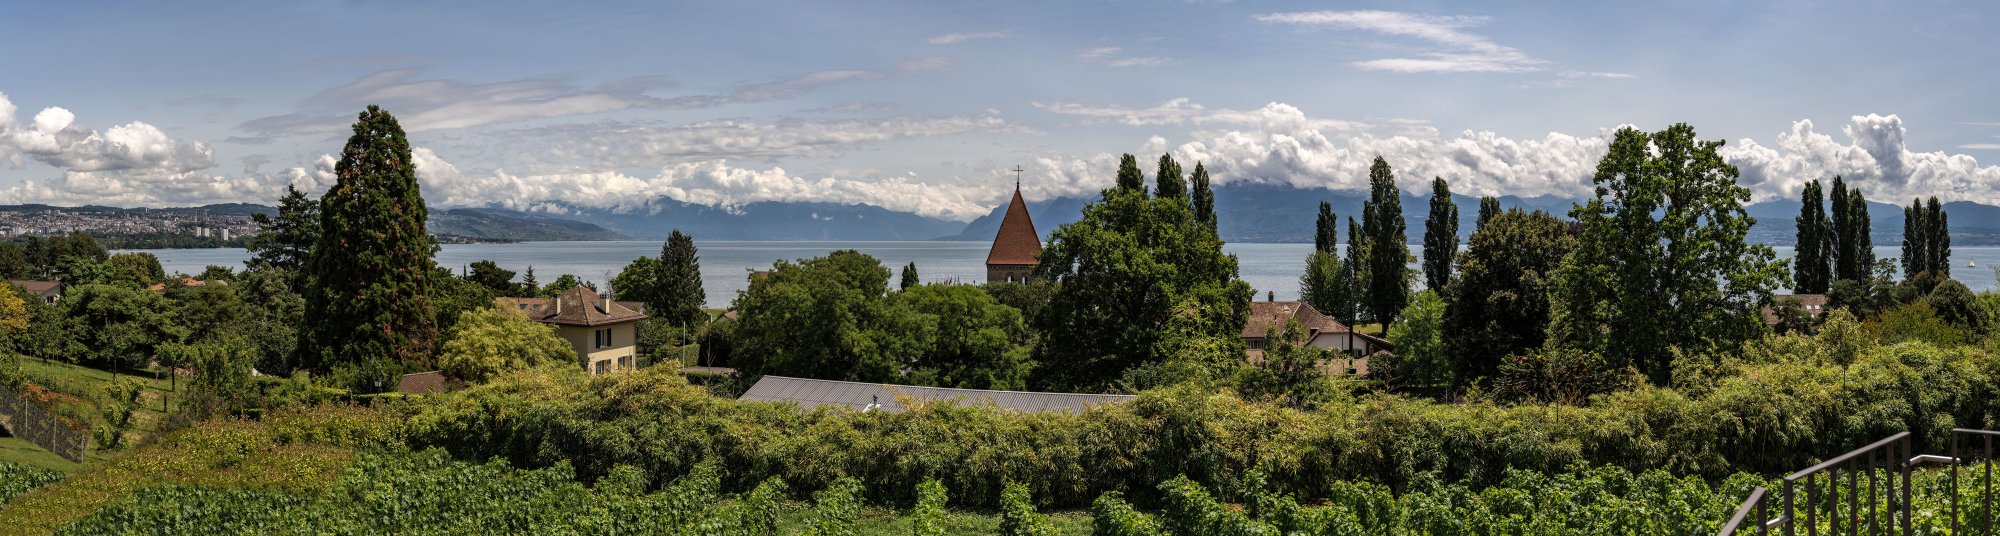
column 725, row 265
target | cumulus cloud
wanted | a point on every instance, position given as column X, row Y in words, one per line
column 625, row 146
column 1301, row 153
column 955, row 38
column 54, row 138
column 711, row 182
column 156, row 188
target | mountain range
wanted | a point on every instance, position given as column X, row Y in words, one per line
column 1246, row 213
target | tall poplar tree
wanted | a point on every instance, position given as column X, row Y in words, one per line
column 1811, row 269
column 1939, row 238
column 1914, row 240
column 1203, row 197
column 1168, row 181
column 1861, row 245
column 1129, row 177
column 1489, row 207
column 1326, row 235
column 910, row 279
column 679, row 287
column 1440, row 237
column 1353, row 275
column 368, row 300
column 1388, row 246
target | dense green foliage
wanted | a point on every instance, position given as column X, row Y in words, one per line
column 1499, row 307
column 1168, row 181
column 1137, row 278
column 1812, row 269
column 1326, row 229
column 285, row 242
column 1926, row 240
column 1662, row 263
column 1386, row 252
column 1853, row 248
column 1203, row 198
column 909, row 276
column 16, row 479
column 1440, row 237
column 1423, row 355
column 368, row 294
column 677, row 288
column 1489, row 207
column 499, row 280
column 490, row 340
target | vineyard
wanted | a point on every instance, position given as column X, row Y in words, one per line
column 17, row 479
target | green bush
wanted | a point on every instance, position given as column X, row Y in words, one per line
column 927, row 518
column 1018, row 516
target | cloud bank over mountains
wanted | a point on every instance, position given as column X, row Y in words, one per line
column 587, row 165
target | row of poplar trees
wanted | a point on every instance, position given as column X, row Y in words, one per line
column 1830, row 249
column 1372, row 281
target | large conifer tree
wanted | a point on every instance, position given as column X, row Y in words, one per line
column 1440, row 236
column 679, row 285
column 1811, row 269
column 1388, row 246
column 368, row 307
column 285, row 242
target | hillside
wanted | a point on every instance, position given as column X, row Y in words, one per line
column 501, row 224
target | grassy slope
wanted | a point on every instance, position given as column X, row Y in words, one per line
column 86, row 385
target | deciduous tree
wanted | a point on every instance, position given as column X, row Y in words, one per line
column 1812, row 271
column 490, row 340
column 1388, row 248
column 1168, row 181
column 1500, row 305
column 1202, row 197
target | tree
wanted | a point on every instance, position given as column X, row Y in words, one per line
column 369, row 288
column 1440, row 237
column 490, row 340
column 976, row 341
column 1422, row 356
column 121, row 327
column 1843, row 232
column 1926, row 240
column 679, row 284
column 451, row 297
column 529, row 287
column 639, row 281
column 213, row 273
column 1662, row 262
column 490, row 275
column 1812, row 271
column 1489, row 207
column 1289, row 369
column 1135, row 277
column 1956, row 305
column 1939, row 236
column 285, row 242
column 1319, row 285
column 276, row 313
column 1388, row 247
column 910, row 279
column 1500, row 305
column 1202, row 197
column 1862, row 248
column 1129, row 177
column 826, row 318
column 1168, row 180
column 563, row 283
column 1350, row 287
column 1326, row 229
column 135, row 269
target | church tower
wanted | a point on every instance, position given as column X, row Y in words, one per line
column 1016, row 246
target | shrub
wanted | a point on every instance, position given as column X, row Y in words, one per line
column 1017, row 514
column 927, row 518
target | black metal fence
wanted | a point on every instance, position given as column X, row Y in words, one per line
column 30, row 421
column 1868, row 490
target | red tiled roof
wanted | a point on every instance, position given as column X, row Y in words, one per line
column 1016, row 243
column 578, row 306
column 1271, row 316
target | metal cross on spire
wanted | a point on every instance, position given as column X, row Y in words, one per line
column 1017, row 178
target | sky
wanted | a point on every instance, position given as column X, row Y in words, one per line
column 927, row 106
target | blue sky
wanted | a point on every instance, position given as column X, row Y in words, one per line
column 920, row 106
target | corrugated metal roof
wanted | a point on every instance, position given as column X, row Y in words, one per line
column 857, row 396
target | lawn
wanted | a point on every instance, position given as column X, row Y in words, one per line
column 86, row 385
column 17, row 450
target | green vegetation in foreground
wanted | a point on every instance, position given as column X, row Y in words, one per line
column 14, row 450
column 82, row 397
column 16, row 479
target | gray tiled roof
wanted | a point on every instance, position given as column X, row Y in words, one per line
column 810, row 394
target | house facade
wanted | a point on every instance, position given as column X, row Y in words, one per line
column 49, row 291
column 605, row 333
column 1270, row 316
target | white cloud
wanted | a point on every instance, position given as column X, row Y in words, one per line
column 54, row 138
column 1108, row 56
column 625, row 146
column 1981, row 146
column 1184, row 111
column 1454, row 50
column 1148, row 61
column 1875, row 158
column 713, row 183
column 1097, row 53
column 955, row 38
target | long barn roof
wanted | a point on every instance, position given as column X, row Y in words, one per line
column 811, row 394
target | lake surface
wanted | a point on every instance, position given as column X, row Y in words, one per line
column 725, row 265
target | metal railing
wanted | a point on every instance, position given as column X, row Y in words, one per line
column 1878, row 491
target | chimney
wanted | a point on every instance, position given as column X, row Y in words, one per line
column 607, row 303
column 1270, row 296
column 558, row 304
